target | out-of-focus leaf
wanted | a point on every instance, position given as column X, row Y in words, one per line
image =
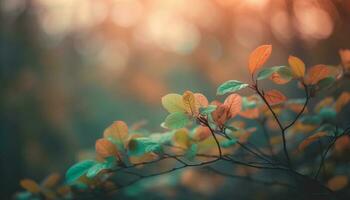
column 326, row 102
column 228, row 143
column 181, row 138
column 266, row 73
column 30, row 186
column 338, row 182
column 118, row 131
column 310, row 119
column 274, row 97
column 297, row 66
column 98, row 167
column 282, row 76
column 258, row 58
column 328, row 113
column 105, row 148
column 207, row 110
column 342, row 100
column 201, row 133
column 173, row 103
column 317, row 73
column 234, row 103
column 78, row 170
column 51, row 181
column 345, row 58
column 311, row 139
column 191, row 152
column 140, row 146
column 325, row 83
column 176, row 120
column 189, row 102
column 230, row 87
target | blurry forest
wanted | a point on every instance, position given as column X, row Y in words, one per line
column 69, row 68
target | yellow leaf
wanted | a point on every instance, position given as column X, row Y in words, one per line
column 258, row 58
column 30, row 185
column 105, row 148
column 182, row 139
column 342, row 100
column 234, row 103
column 338, row 182
column 297, row 65
column 189, row 102
column 310, row 140
column 118, row 130
column 173, row 103
column 274, row 97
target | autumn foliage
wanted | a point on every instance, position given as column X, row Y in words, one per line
column 199, row 133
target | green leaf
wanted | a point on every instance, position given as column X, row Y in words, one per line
column 176, row 120
column 191, row 152
column 228, row 143
column 98, row 167
column 246, row 104
column 207, row 110
column 267, row 72
column 78, row 170
column 142, row 145
column 308, row 119
column 231, row 86
column 328, row 113
column 325, row 83
column 232, row 128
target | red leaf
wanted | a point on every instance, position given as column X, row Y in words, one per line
column 274, row 97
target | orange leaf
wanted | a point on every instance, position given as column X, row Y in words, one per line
column 118, row 130
column 310, row 140
column 201, row 100
column 51, row 180
column 30, row 185
column 278, row 79
column 317, row 73
column 201, row 133
column 338, row 182
column 221, row 114
column 234, row 103
column 258, row 58
column 250, row 113
column 342, row 100
column 189, row 102
column 345, row 58
column 105, row 148
column 274, row 97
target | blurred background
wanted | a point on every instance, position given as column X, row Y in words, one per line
column 69, row 68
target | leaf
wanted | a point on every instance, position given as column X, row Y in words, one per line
column 258, row 58
column 228, row 143
column 342, row 100
column 176, row 120
column 311, row 119
column 297, row 66
column 105, row 148
column 325, row 83
column 189, row 102
column 207, row 110
column 173, row 103
column 118, row 131
column 338, row 182
column 231, row 86
column 281, row 76
column 328, row 114
column 265, row 73
column 310, row 140
column 221, row 114
column 98, row 167
column 30, row 185
column 182, row 139
column 274, row 97
column 234, row 103
column 345, row 58
column 142, row 145
column 191, row 152
column 317, row 73
column 201, row 133
column 51, row 181
column 78, row 170
column 201, row 100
